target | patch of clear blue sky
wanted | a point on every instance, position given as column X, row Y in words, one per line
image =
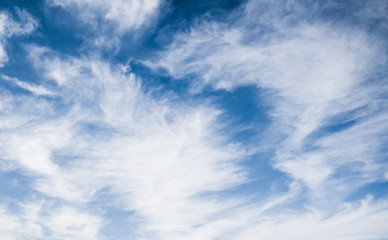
column 120, row 224
column 14, row 185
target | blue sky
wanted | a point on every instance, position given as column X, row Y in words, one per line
column 162, row 119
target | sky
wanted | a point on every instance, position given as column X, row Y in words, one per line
column 193, row 120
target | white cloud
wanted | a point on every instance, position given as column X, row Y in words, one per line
column 8, row 224
column 125, row 15
column 167, row 162
column 39, row 219
column 67, row 222
column 3, row 55
column 312, row 71
column 37, row 90
column 351, row 222
column 158, row 159
column 9, row 27
column 151, row 156
column 314, row 75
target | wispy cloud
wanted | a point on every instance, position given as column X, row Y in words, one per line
column 40, row 219
column 89, row 136
column 37, row 90
column 311, row 70
column 319, row 79
column 361, row 221
column 23, row 23
column 124, row 15
column 153, row 156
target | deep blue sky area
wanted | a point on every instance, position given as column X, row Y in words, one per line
column 197, row 120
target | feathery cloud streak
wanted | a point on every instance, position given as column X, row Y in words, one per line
column 9, row 26
column 123, row 15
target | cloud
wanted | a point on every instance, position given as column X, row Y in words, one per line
column 39, row 219
column 9, row 26
column 318, row 76
column 152, row 156
column 125, row 15
column 365, row 221
column 9, row 224
column 311, row 69
column 90, row 137
column 37, row 90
